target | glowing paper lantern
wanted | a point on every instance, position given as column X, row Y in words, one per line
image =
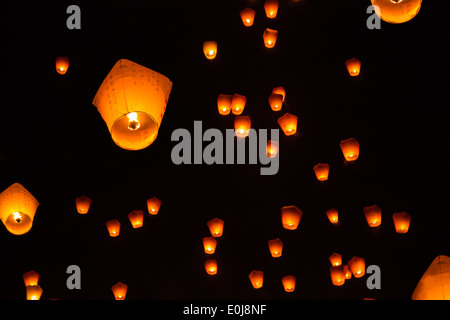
column 276, row 247
column 357, row 266
column 31, row 278
column 280, row 90
column 211, row 266
column 34, row 292
column 210, row 49
column 270, row 37
column 290, row 217
column 238, row 103
column 136, row 218
column 289, row 283
column 242, row 125
column 347, row 271
column 276, row 101
column 353, row 66
column 271, row 8
column 153, row 205
column 119, row 290
column 224, row 104
column 435, row 282
column 272, row 148
column 248, row 17
column 62, row 64
column 113, row 227
column 321, row 170
column 83, row 203
column 397, row 11
column 288, row 123
column 256, row 278
column 373, row 215
column 335, row 259
column 350, row 149
column 337, row 275
column 401, row 221
column 17, row 209
column 333, row 215
column 209, row 245
column 132, row 100
column 215, row 227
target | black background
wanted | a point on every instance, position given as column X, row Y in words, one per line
column 55, row 143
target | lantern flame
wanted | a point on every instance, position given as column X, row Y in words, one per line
column 133, row 123
column 17, row 217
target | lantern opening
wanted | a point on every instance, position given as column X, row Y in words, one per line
column 126, row 135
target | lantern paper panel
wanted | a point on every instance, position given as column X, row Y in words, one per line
column 242, row 126
column 83, row 204
column 209, row 245
column 435, row 282
column 113, row 227
column 350, row 149
column 290, row 217
column 353, row 66
column 210, row 49
column 321, row 170
column 132, row 100
column 289, row 283
column 396, row 11
column 288, row 123
column 224, row 104
column 238, row 102
column 373, row 215
column 337, row 275
column 215, row 227
column 401, row 221
column 211, row 266
column 357, row 266
column 276, row 101
column 276, row 247
column 335, row 259
column 270, row 37
column 34, row 292
column 136, row 218
column 280, row 90
column 248, row 17
column 119, row 290
column 153, row 205
column 17, row 209
column 271, row 8
column 31, row 278
column 272, row 148
column 333, row 215
column 256, row 278
column 62, row 64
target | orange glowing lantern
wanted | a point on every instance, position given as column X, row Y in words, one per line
column 242, row 125
column 288, row 123
column 270, row 38
column 435, row 282
column 215, row 227
column 248, row 17
column 276, row 101
column 289, row 283
column 238, row 103
column 272, row 148
column 256, row 278
column 321, row 170
column 271, row 8
column 373, row 215
column 17, row 209
column 224, row 104
column 276, row 247
column 209, row 245
column 333, row 215
column 153, row 205
column 357, row 266
column 210, row 49
column 335, row 259
column 337, row 275
column 136, row 218
column 83, row 204
column 113, row 227
column 31, row 278
column 397, row 11
column 347, row 271
column 132, row 101
column 290, row 217
column 280, row 90
column 350, row 149
column 353, row 66
column 62, row 64
column 401, row 221
column 34, row 292
column 211, row 266
column 119, row 290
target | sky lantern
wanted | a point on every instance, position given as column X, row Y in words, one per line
column 401, row 221
column 153, row 205
column 119, row 290
column 353, row 66
column 136, row 218
column 83, row 203
column 242, row 126
column 211, row 266
column 333, row 215
column 290, row 217
column 17, row 209
column 248, row 17
column 62, row 64
column 238, row 103
column 347, row 271
column 276, row 101
column 280, row 90
column 31, row 278
column 350, row 149
column 435, row 282
column 321, row 170
column 373, row 215
column 397, row 11
column 224, row 104
column 270, row 37
column 215, row 227
column 209, row 245
column 276, row 247
column 357, row 266
column 256, row 278
column 337, row 275
column 288, row 123
column 289, row 283
column 34, row 292
column 132, row 100
column 271, row 8
column 210, row 49
column 272, row 148
column 335, row 259
column 113, row 227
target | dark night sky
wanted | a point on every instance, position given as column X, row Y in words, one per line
column 56, row 144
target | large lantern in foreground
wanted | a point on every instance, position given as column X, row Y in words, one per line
column 83, row 204
column 357, row 266
column 17, row 209
column 290, row 217
column 270, row 37
column 136, row 218
column 401, row 221
column 248, row 16
column 350, row 149
column 435, row 282
column 288, row 123
column 353, row 66
column 113, row 227
column 119, row 290
column 256, row 278
column 132, row 100
column 62, row 64
column 321, row 170
column 34, row 292
column 215, row 227
column 373, row 215
column 276, row 247
column 289, row 283
column 397, row 11
column 153, row 205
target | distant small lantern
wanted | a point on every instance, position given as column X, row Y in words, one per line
column 242, row 126
column 256, row 278
column 396, row 11
column 280, row 90
column 337, row 275
column 136, row 218
column 373, row 215
column 321, row 170
column 288, row 123
column 272, row 148
column 238, row 102
column 271, row 8
column 34, row 292
column 31, row 278
column 290, row 217
column 289, row 283
column 248, row 17
column 83, row 204
column 350, row 149
column 335, row 259
column 17, row 209
column 215, row 227
column 333, row 215
column 357, row 266
column 224, row 104
column 62, row 64
column 209, row 245
column 276, row 101
column 119, row 290
column 153, row 205
column 270, row 37
column 210, row 49
column 276, row 247
column 353, row 66
column 401, row 221
column 113, row 227
column 348, row 272
column 211, row 266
